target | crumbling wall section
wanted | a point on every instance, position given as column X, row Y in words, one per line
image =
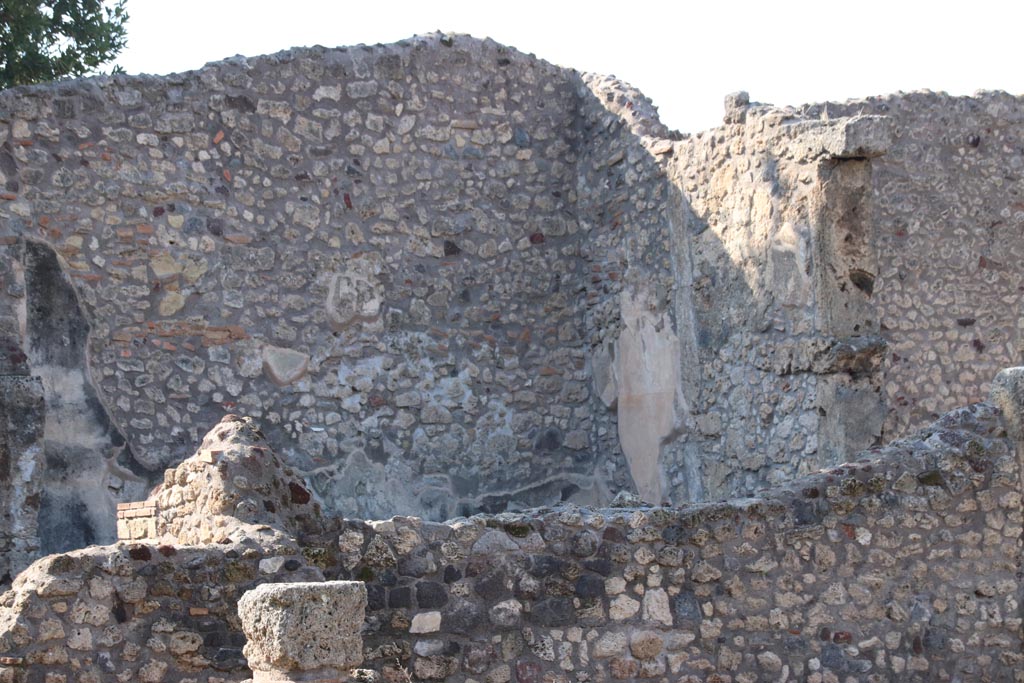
column 151, row 613
column 948, row 222
column 234, row 486
column 22, row 417
column 733, row 334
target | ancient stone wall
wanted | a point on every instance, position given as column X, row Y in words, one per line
column 901, row 564
column 949, row 211
column 881, row 568
column 370, row 249
column 448, row 277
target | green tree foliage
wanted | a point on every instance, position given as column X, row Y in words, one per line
column 43, row 40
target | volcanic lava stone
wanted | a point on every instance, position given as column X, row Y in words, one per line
column 553, row 612
column 375, row 596
column 491, row 586
column 544, row 565
column 599, row 565
column 463, row 618
column 583, row 544
column 400, row 597
column 686, row 608
column 419, row 563
column 589, row 586
column 430, row 594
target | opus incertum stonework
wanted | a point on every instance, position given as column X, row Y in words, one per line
column 711, row 407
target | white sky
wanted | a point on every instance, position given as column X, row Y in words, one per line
column 684, row 55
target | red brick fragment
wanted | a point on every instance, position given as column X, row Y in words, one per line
column 299, row 493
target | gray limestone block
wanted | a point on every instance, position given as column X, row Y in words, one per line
column 863, row 136
column 855, row 137
column 284, row 366
column 303, row 626
column 736, row 104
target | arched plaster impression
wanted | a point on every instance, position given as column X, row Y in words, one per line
column 356, row 294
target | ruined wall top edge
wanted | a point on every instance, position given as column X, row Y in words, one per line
column 618, row 96
column 316, row 61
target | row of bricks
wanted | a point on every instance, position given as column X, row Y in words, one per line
column 132, row 514
column 135, row 505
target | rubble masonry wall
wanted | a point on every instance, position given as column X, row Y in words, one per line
column 903, row 563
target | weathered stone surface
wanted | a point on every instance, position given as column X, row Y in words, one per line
column 645, row 645
column 854, row 138
column 297, row 627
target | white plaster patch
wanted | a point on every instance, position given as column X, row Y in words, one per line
column 647, row 370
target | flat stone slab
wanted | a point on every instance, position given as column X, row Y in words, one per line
column 303, row 627
column 284, row 366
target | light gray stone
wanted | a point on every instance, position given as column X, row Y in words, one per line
column 295, row 627
column 284, row 366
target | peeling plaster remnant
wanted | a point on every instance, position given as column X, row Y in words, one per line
column 72, row 483
column 647, row 377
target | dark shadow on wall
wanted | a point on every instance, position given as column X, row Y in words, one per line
column 86, row 465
